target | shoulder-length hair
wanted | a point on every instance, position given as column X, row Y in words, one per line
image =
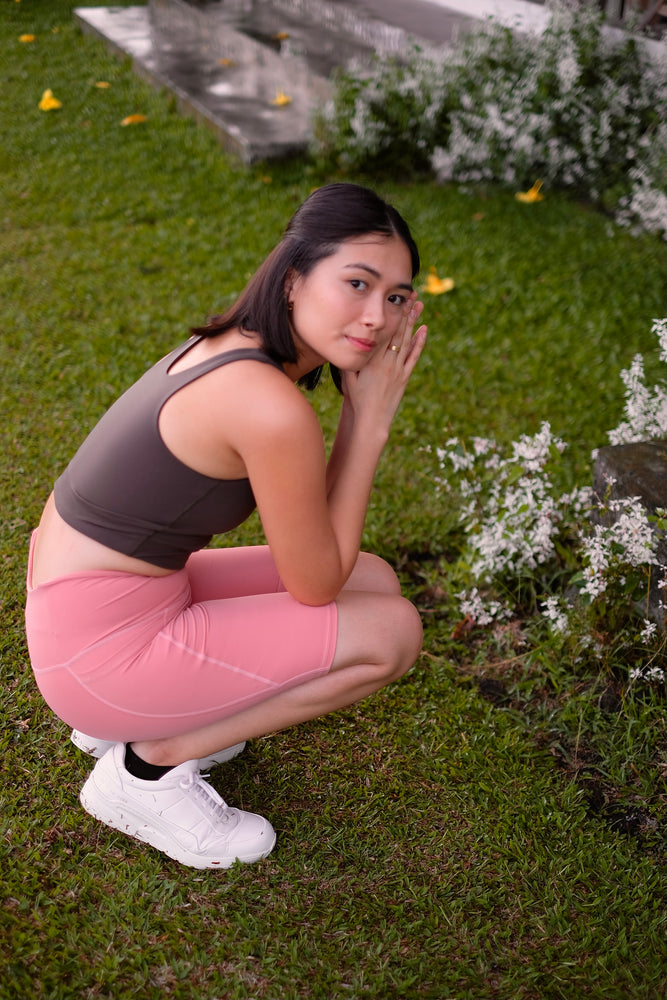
column 329, row 216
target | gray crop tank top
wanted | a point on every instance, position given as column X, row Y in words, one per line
column 125, row 489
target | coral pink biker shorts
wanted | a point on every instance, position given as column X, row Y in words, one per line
column 129, row 657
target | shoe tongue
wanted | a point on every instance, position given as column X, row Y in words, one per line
column 187, row 774
column 186, row 768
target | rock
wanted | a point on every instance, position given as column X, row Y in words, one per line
column 638, row 469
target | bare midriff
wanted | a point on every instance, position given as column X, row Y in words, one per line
column 61, row 550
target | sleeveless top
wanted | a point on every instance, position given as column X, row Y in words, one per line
column 125, row 489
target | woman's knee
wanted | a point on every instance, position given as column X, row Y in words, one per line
column 380, row 630
column 410, row 633
column 373, row 574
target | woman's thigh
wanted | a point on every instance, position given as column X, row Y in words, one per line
column 220, row 657
column 128, row 657
column 218, row 574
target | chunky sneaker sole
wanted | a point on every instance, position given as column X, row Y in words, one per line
column 98, row 748
column 180, row 814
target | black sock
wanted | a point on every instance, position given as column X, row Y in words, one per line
column 139, row 768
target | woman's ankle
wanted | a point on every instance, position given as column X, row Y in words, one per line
column 143, row 769
column 159, row 753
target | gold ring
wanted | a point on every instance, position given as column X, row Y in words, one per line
column 394, row 347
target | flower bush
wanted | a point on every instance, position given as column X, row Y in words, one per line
column 579, row 564
column 395, row 112
column 576, row 107
column 645, row 408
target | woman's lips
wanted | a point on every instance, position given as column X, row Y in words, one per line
column 362, row 345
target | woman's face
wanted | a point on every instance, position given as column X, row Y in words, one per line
column 351, row 303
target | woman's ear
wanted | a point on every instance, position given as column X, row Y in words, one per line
column 289, row 283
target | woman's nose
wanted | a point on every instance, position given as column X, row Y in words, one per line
column 374, row 313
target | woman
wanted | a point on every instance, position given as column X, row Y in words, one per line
column 169, row 651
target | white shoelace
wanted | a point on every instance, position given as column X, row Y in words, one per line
column 194, row 785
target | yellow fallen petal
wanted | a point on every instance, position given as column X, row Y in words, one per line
column 280, row 100
column 281, row 36
column 437, row 286
column 26, row 38
column 134, row 120
column 49, row 102
column 532, row 195
column 226, row 62
column 102, row 84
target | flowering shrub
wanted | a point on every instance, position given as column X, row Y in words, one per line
column 510, row 514
column 645, row 409
column 393, row 112
column 581, row 564
column 575, row 107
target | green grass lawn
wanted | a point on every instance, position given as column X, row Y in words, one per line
column 428, row 845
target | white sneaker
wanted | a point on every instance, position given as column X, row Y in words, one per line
column 98, row 748
column 180, row 814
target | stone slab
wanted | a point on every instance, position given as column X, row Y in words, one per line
column 234, row 101
column 225, row 67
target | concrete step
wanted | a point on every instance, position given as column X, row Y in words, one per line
column 228, row 62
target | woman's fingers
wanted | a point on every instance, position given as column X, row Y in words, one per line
column 416, row 346
column 405, row 339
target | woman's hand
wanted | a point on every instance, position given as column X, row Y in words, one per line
column 375, row 392
column 308, row 508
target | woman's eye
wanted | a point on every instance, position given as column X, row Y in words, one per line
column 397, row 300
column 358, row 283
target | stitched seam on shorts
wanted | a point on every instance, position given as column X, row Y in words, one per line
column 143, row 714
column 100, row 643
column 222, row 663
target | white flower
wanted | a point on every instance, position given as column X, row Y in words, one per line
column 461, row 462
column 629, row 540
column 659, row 328
column 645, row 409
column 482, row 446
column 597, row 554
column 649, row 630
column 557, row 617
column 481, row 613
column 656, row 674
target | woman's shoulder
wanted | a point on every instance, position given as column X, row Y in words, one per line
column 235, row 411
column 250, row 388
column 265, row 393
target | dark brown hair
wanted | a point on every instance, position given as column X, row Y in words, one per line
column 329, row 216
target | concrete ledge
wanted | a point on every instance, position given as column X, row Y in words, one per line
column 227, row 73
column 234, row 101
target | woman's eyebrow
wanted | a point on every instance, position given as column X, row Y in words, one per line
column 376, row 274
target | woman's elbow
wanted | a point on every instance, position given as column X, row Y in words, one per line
column 314, row 581
column 314, row 597
column 316, row 590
